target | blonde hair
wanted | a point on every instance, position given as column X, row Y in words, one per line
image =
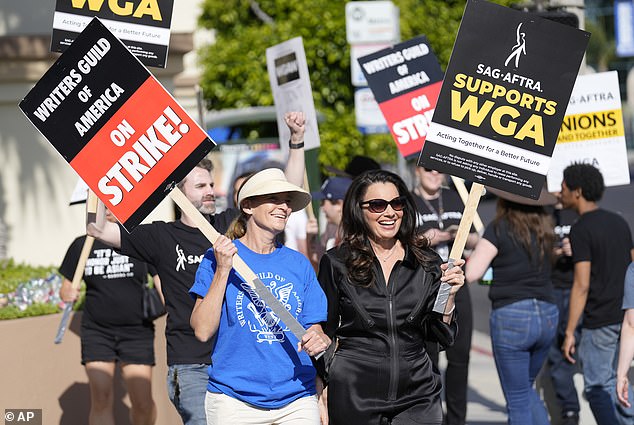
column 238, row 226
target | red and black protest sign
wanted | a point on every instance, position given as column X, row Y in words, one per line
column 503, row 98
column 116, row 125
column 405, row 80
column 142, row 25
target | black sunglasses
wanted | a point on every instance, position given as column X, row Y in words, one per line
column 380, row 205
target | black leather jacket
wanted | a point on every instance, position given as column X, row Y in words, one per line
column 380, row 364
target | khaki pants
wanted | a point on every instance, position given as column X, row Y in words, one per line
column 224, row 410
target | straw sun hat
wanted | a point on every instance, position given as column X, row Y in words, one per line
column 273, row 180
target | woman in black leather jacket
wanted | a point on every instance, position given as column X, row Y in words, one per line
column 381, row 285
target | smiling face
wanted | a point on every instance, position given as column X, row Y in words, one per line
column 384, row 225
column 268, row 212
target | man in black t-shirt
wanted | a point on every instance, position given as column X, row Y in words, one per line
column 175, row 249
column 601, row 252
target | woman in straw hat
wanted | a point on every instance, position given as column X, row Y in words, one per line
column 381, row 283
column 518, row 245
column 260, row 374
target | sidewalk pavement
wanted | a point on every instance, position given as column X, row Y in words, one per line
column 486, row 405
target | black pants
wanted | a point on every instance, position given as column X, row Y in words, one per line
column 456, row 375
column 359, row 386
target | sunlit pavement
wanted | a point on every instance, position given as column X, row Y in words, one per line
column 486, row 405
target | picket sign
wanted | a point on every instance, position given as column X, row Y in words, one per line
column 470, row 211
column 91, row 207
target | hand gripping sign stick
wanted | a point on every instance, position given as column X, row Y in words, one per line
column 91, row 206
column 241, row 267
column 458, row 244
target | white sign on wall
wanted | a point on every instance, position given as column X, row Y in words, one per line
column 372, row 22
column 369, row 117
column 358, row 51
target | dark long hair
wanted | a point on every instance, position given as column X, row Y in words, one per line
column 356, row 232
column 530, row 226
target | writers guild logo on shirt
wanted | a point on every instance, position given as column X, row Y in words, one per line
column 519, row 48
column 182, row 259
column 266, row 325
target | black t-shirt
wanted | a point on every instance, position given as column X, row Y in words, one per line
column 446, row 210
column 516, row 276
column 563, row 269
column 603, row 238
column 114, row 293
column 176, row 250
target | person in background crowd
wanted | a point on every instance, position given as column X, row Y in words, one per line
column 561, row 372
column 256, row 375
column 626, row 351
column 381, row 283
column 358, row 164
column 295, row 232
column 331, row 195
column 601, row 252
column 113, row 329
column 175, row 249
column 439, row 214
column 518, row 245
column 237, row 183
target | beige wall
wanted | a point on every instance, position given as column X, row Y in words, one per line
column 38, row 374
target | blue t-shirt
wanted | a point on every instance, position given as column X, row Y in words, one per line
column 628, row 293
column 252, row 361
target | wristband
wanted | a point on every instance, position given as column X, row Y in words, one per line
column 295, row 145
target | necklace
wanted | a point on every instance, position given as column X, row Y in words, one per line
column 389, row 254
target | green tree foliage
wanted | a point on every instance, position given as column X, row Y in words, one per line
column 601, row 48
column 235, row 65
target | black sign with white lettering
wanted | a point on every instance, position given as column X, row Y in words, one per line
column 286, row 69
column 503, row 98
column 405, row 80
column 142, row 25
column 123, row 133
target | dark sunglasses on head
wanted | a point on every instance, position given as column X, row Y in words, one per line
column 380, row 205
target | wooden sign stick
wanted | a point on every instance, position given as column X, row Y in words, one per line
column 464, row 195
column 91, row 207
column 469, row 213
column 309, row 207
